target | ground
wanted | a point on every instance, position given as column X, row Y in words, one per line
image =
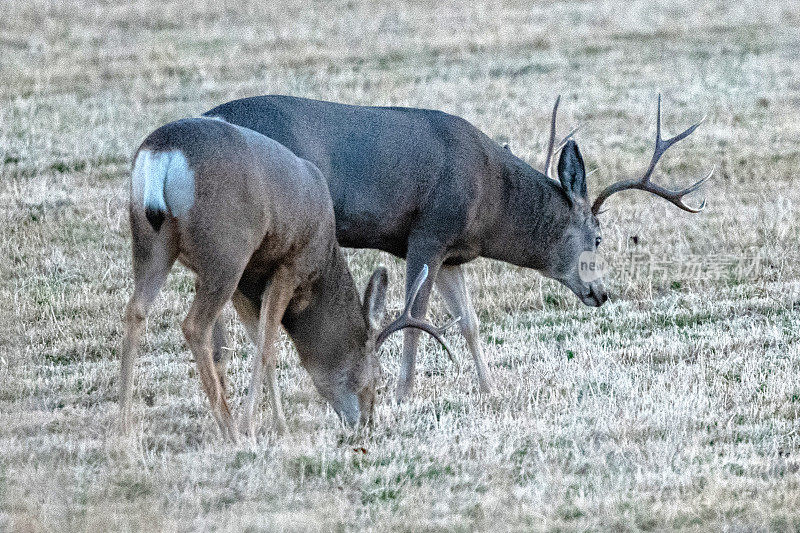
column 673, row 407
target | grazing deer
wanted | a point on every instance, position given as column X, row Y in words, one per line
column 256, row 225
column 432, row 188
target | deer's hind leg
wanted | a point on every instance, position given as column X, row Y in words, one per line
column 213, row 290
column 219, row 337
column 153, row 257
column 453, row 288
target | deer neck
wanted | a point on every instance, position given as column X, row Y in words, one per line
column 332, row 325
column 532, row 215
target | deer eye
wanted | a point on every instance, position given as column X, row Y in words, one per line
column 597, row 241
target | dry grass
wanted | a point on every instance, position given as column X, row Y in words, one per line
column 673, row 407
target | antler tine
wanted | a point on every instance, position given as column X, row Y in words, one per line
column 662, row 145
column 558, row 149
column 552, row 140
column 552, row 149
column 411, row 297
column 450, row 324
column 405, row 320
column 416, row 323
column 643, row 183
column 676, row 197
column 565, row 139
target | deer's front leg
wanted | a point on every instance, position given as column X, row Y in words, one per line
column 420, row 253
column 274, row 301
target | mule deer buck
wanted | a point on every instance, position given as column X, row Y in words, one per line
column 255, row 223
column 433, row 189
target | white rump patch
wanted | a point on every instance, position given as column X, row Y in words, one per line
column 179, row 189
column 163, row 181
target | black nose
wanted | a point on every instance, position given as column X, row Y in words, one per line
column 600, row 297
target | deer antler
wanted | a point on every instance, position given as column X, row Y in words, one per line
column 644, row 184
column 551, row 152
column 405, row 320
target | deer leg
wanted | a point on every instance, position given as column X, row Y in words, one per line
column 277, row 295
column 417, row 257
column 248, row 313
column 219, row 337
column 210, row 298
column 153, row 257
column 453, row 288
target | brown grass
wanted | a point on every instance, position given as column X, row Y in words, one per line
column 673, row 407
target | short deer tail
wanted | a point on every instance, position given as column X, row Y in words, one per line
column 162, row 184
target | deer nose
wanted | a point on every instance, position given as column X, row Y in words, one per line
column 600, row 295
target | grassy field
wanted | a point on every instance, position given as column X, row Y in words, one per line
column 674, row 406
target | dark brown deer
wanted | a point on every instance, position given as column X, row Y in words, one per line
column 256, row 225
column 433, row 189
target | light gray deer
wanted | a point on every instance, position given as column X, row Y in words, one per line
column 433, row 189
column 256, row 225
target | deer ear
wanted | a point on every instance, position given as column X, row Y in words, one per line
column 374, row 305
column 571, row 171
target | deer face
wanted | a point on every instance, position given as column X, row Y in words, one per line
column 369, row 373
column 350, row 388
column 351, row 391
column 571, row 260
column 369, row 377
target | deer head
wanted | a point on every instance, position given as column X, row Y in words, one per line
column 352, row 394
column 579, row 234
